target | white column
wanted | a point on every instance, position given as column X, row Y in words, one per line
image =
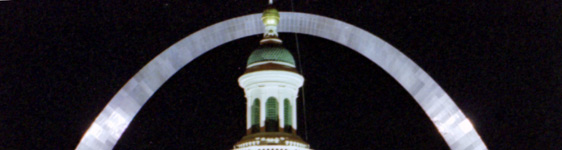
column 281, row 110
column 263, row 100
column 294, row 105
column 249, row 103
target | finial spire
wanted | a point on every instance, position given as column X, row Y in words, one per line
column 270, row 18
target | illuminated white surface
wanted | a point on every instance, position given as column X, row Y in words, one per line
column 443, row 112
column 272, row 83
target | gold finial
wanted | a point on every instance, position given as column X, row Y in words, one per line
column 270, row 18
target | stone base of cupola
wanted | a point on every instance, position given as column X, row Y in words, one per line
column 272, row 148
column 271, row 141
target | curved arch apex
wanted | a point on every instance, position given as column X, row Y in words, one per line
column 452, row 124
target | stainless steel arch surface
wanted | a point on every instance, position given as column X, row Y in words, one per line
column 455, row 128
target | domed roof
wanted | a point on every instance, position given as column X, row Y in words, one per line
column 271, row 53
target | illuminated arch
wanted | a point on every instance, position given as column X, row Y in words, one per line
column 452, row 124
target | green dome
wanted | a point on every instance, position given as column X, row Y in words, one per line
column 274, row 53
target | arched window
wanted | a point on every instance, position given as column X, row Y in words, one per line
column 255, row 116
column 288, row 113
column 271, row 115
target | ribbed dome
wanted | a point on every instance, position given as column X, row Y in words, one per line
column 271, row 53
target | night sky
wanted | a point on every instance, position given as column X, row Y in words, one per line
column 501, row 63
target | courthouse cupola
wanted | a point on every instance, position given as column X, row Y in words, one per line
column 271, row 85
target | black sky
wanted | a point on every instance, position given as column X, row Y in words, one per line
column 60, row 64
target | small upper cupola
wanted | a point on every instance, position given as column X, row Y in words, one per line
column 271, row 52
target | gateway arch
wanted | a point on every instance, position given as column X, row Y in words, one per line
column 452, row 124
